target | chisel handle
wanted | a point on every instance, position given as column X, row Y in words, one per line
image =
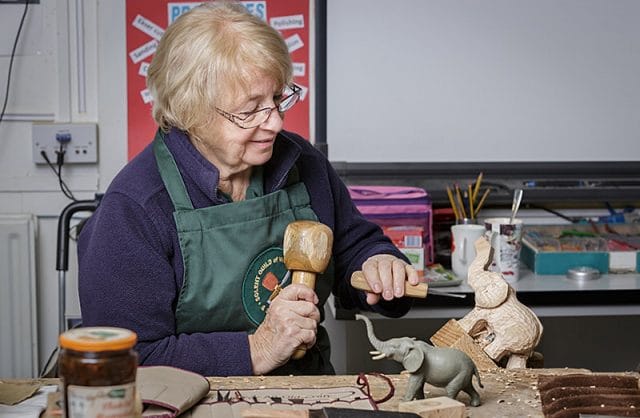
column 418, row 291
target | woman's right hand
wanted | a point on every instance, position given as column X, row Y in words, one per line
column 291, row 320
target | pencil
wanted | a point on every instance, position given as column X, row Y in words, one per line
column 484, row 197
column 460, row 202
column 477, row 186
column 471, row 214
column 453, row 203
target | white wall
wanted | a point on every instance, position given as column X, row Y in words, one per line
column 46, row 87
column 490, row 80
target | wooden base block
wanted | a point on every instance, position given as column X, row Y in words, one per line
column 448, row 334
column 452, row 335
column 440, row 407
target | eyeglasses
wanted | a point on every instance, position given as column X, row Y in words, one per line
column 248, row 120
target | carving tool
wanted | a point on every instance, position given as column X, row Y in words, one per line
column 307, row 251
column 517, row 198
column 418, row 291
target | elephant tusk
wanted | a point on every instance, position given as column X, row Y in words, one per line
column 379, row 356
column 374, row 353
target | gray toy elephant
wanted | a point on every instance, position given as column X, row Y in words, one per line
column 442, row 367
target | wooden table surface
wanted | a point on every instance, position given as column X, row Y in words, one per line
column 506, row 393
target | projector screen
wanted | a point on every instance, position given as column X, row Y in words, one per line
column 483, row 81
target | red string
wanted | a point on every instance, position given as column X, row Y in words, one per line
column 364, row 383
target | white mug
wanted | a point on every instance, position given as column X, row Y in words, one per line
column 463, row 251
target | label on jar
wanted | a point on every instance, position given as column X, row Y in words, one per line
column 101, row 401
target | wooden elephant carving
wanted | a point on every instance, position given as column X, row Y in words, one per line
column 499, row 322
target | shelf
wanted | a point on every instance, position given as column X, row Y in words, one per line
column 547, row 296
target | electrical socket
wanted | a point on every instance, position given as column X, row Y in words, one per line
column 79, row 142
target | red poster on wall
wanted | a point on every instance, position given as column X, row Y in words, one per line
column 146, row 22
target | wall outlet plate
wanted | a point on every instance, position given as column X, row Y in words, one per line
column 78, row 140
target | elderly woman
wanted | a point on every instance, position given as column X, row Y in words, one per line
column 186, row 246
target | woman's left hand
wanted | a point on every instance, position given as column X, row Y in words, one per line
column 386, row 275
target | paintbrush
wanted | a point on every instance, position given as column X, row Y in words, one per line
column 477, row 186
column 472, row 214
column 453, row 204
column 460, row 202
column 482, row 200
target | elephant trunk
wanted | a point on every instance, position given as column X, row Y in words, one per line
column 484, row 256
column 375, row 342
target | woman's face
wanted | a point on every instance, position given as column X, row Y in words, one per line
column 233, row 149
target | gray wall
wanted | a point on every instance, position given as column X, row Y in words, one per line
column 490, row 80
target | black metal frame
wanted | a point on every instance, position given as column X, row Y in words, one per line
column 320, row 134
column 557, row 184
column 62, row 250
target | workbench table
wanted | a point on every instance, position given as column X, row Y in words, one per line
column 506, row 393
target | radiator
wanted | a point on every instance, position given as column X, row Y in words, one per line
column 18, row 313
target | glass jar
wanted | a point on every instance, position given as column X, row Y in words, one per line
column 97, row 367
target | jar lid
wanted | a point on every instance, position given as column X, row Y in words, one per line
column 583, row 273
column 98, row 339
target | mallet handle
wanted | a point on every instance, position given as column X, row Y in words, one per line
column 308, row 279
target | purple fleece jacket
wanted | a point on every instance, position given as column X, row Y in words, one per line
column 130, row 263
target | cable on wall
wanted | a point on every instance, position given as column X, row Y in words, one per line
column 13, row 54
column 58, row 171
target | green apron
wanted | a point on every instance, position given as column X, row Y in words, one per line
column 233, row 259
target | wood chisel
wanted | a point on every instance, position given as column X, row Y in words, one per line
column 418, row 291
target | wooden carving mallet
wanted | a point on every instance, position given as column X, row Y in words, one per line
column 307, row 251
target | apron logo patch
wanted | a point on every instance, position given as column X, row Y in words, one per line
column 264, row 274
